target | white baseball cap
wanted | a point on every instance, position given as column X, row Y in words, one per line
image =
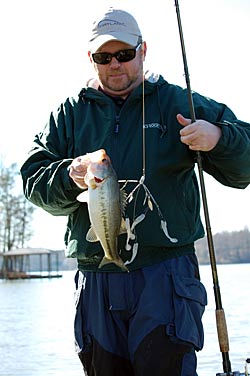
column 114, row 24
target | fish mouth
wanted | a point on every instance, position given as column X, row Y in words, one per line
column 98, row 180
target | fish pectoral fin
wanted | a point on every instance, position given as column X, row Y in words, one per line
column 117, row 262
column 91, row 236
column 83, row 197
column 123, row 228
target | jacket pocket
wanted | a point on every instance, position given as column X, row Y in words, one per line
column 190, row 299
column 82, row 339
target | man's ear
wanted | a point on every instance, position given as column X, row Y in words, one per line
column 90, row 56
column 144, row 49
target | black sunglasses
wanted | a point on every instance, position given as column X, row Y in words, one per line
column 122, row 56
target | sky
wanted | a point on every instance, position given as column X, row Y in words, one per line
column 44, row 60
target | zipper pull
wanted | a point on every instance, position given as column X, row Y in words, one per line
column 117, row 124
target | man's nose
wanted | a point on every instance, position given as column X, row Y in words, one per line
column 114, row 62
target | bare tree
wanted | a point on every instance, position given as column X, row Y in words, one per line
column 15, row 211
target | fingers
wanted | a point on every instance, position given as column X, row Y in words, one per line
column 200, row 135
column 78, row 170
column 188, row 134
column 182, row 120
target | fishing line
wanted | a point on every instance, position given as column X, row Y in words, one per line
column 149, row 200
column 143, row 127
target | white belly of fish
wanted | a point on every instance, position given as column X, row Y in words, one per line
column 105, row 216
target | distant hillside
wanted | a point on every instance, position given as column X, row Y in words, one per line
column 230, row 247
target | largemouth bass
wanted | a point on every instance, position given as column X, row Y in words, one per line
column 105, row 205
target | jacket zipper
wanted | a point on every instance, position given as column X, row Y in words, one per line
column 116, row 156
column 117, row 123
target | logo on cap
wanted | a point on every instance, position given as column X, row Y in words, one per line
column 110, row 22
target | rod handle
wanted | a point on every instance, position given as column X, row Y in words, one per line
column 222, row 330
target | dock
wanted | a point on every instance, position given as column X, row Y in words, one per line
column 16, row 264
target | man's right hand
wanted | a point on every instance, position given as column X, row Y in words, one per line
column 78, row 170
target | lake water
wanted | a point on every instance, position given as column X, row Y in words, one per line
column 36, row 324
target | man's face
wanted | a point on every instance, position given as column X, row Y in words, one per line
column 118, row 78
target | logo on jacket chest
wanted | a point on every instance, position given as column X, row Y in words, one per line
column 152, row 126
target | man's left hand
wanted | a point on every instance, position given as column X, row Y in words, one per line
column 200, row 135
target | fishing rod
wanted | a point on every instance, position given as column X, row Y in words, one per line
column 220, row 315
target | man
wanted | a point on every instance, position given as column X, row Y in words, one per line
column 147, row 321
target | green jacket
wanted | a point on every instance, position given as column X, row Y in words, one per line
column 91, row 122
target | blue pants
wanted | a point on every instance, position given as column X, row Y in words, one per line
column 146, row 322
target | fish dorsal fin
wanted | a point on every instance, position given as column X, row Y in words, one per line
column 91, row 236
column 123, row 201
column 83, row 197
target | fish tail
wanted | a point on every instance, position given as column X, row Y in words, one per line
column 117, row 262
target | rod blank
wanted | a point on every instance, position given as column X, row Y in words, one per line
column 220, row 316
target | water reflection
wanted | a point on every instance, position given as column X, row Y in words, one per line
column 36, row 331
